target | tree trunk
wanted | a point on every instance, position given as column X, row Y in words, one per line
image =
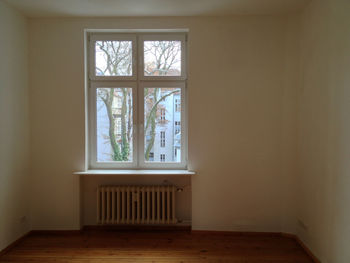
column 151, row 120
column 115, row 147
column 130, row 122
column 125, row 143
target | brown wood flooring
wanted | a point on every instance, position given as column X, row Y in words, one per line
column 129, row 246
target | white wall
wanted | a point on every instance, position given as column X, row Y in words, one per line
column 241, row 108
column 289, row 123
column 324, row 131
column 14, row 127
column 268, row 134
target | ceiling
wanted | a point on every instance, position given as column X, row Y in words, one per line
column 100, row 8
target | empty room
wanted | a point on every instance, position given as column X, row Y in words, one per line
column 175, row 131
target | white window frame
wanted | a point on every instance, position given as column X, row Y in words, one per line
column 138, row 82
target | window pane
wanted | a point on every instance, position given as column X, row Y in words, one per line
column 113, row 58
column 162, row 58
column 114, row 124
column 162, row 125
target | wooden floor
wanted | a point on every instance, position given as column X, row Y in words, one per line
column 118, row 246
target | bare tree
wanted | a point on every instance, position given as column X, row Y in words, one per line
column 107, row 98
column 164, row 55
column 117, row 58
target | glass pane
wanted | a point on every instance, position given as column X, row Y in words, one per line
column 162, row 124
column 114, row 124
column 113, row 58
column 162, row 58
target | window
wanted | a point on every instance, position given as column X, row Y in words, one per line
column 112, row 123
column 118, row 126
column 162, row 115
column 118, row 53
column 177, row 127
column 136, row 100
column 177, row 105
column 162, row 58
column 162, row 139
column 151, row 156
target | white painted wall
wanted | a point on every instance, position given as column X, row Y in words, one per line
column 14, row 127
column 272, row 148
column 324, row 131
column 278, row 116
column 241, row 108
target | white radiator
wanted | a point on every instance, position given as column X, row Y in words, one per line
column 136, row 205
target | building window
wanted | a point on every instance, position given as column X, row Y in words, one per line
column 118, row 126
column 133, row 100
column 151, row 156
column 162, row 139
column 177, row 127
column 177, row 105
column 162, row 114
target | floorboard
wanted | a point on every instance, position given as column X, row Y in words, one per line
column 147, row 247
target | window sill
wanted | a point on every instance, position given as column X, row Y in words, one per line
column 135, row 172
